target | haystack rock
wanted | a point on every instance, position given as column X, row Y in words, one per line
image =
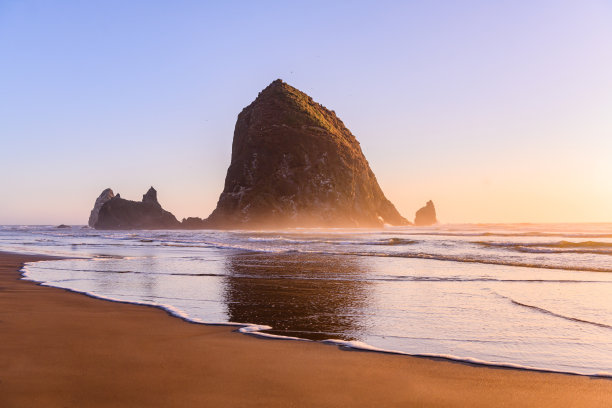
column 295, row 164
column 426, row 215
column 103, row 198
column 118, row 213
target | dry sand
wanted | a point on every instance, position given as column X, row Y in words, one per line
column 63, row 349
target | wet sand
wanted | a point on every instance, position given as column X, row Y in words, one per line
column 64, row 349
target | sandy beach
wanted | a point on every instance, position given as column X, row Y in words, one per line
column 64, row 349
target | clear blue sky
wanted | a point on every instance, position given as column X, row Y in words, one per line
column 498, row 111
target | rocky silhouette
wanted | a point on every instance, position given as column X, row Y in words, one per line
column 103, row 198
column 194, row 223
column 295, row 164
column 118, row 213
column 426, row 215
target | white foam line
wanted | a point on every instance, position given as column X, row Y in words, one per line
column 256, row 329
column 358, row 345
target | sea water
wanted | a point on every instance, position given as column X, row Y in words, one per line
column 526, row 295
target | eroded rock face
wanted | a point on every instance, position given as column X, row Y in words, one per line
column 103, row 198
column 426, row 215
column 118, row 213
column 295, row 164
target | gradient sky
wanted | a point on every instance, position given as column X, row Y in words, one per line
column 498, row 111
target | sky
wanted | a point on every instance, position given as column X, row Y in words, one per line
column 497, row 111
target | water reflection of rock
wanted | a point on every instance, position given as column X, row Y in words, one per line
column 303, row 295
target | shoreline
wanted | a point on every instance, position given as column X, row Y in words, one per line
column 333, row 379
column 257, row 331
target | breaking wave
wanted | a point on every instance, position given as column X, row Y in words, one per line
column 561, row 247
column 552, row 313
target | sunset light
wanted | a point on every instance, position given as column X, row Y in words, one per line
column 306, row 204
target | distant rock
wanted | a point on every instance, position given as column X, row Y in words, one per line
column 63, row 226
column 118, row 213
column 194, row 223
column 426, row 215
column 295, row 164
column 103, row 198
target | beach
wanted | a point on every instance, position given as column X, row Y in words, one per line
column 63, row 349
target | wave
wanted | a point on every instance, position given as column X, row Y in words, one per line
column 513, row 234
column 501, row 262
column 416, row 255
column 383, row 278
column 359, row 345
column 560, row 251
column 110, row 271
column 561, row 247
column 396, row 241
column 560, row 244
column 409, row 255
column 462, row 279
column 550, row 312
column 285, row 239
column 585, row 244
column 221, row 245
column 257, row 244
column 387, row 241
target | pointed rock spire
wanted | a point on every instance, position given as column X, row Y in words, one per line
column 150, row 196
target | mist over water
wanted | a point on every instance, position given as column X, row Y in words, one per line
column 525, row 294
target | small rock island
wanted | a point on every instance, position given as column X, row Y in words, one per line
column 113, row 212
column 426, row 215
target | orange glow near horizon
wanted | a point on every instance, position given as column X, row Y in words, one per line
column 559, row 188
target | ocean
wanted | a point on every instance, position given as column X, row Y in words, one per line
column 519, row 295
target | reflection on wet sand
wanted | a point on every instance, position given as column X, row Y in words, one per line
column 294, row 295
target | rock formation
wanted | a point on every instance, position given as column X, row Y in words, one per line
column 426, row 215
column 194, row 223
column 118, row 213
column 103, row 198
column 295, row 164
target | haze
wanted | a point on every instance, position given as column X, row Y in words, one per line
column 450, row 102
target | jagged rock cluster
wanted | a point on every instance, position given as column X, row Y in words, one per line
column 113, row 212
column 426, row 215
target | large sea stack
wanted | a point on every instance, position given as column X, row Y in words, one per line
column 295, row 164
column 118, row 213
